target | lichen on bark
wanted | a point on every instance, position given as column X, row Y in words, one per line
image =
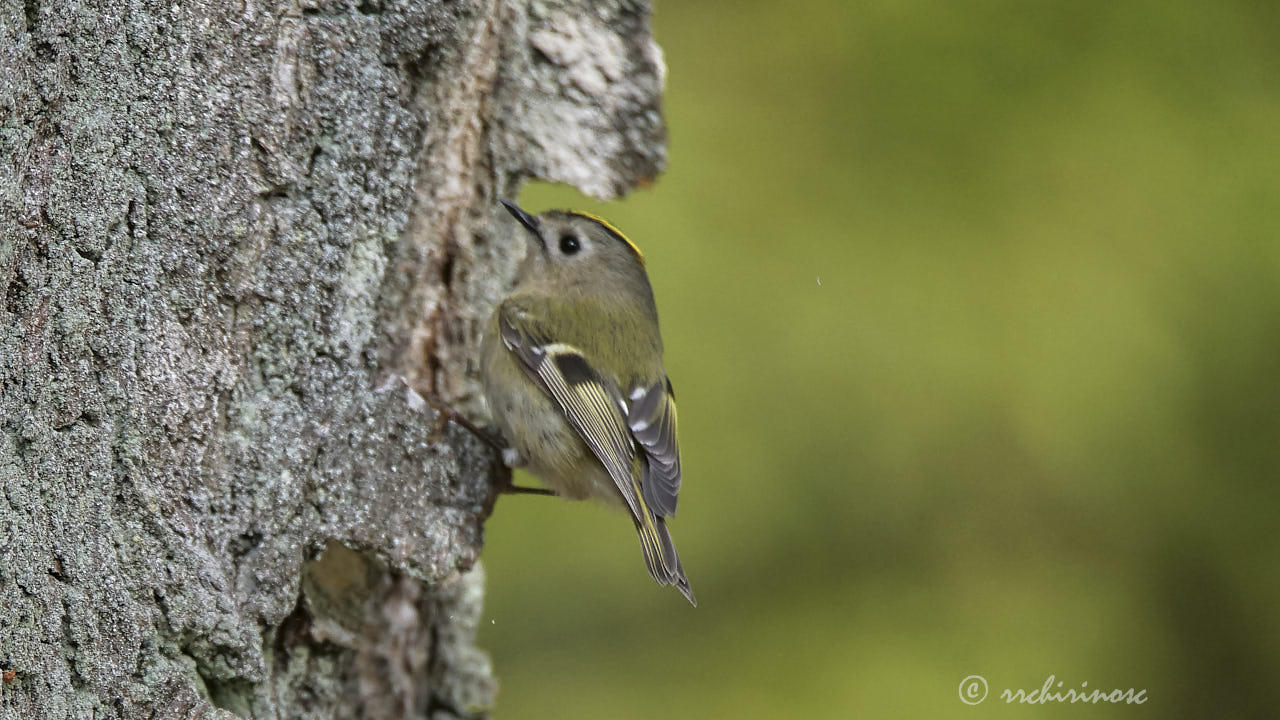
column 232, row 235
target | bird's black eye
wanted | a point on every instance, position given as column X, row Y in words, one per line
column 569, row 244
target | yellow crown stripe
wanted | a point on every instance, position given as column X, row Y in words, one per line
column 609, row 226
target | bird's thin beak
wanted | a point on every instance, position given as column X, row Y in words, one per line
column 528, row 221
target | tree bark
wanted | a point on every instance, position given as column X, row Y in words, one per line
column 234, row 234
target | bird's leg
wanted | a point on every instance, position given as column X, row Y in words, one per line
column 512, row 459
column 445, row 413
column 510, row 456
column 511, row 488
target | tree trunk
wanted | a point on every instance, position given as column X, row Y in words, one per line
column 232, row 231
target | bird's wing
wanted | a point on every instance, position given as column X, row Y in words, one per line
column 592, row 405
column 652, row 420
column 610, row 427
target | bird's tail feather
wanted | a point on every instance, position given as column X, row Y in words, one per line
column 660, row 555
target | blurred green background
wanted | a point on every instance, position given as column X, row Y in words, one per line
column 973, row 312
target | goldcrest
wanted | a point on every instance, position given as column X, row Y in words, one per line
column 572, row 370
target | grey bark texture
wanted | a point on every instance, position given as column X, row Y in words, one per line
column 233, row 234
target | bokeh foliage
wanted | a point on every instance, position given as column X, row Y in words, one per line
column 973, row 312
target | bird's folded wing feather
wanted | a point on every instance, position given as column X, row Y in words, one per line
column 652, row 420
column 592, row 405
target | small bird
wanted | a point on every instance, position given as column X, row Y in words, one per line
column 571, row 365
